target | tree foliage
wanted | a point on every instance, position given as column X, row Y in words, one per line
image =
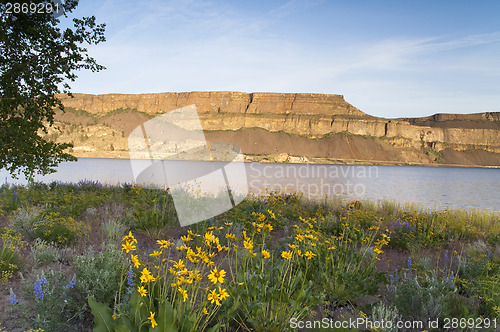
column 38, row 60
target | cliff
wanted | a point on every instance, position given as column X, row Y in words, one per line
column 286, row 126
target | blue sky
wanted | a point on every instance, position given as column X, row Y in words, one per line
column 388, row 58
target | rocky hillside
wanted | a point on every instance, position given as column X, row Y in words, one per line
column 293, row 127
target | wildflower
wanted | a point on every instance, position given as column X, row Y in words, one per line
column 309, row 254
column 142, row 291
column 266, row 254
column 209, row 237
column 292, row 246
column 130, row 278
column 217, row 276
column 129, row 238
column 222, row 293
column 38, row 287
column 205, row 311
column 230, row 236
column 152, row 319
column 164, row 243
column 146, row 276
column 268, row 227
column 299, row 237
column 252, row 253
column 183, row 293
column 409, row 264
column 286, row 254
column 113, row 316
column 128, row 246
column 179, row 265
column 12, row 297
column 377, row 250
column 248, row 244
column 71, row 284
column 135, row 261
column 156, row 253
column 213, row 297
column 271, row 214
column 186, row 238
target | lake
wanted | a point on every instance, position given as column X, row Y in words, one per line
column 433, row 187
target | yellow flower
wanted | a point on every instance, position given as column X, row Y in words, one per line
column 156, row 253
column 252, row 253
column 292, row 246
column 213, row 297
column 152, row 319
column 128, row 246
column 248, row 244
column 299, row 252
column 113, row 316
column 164, row 243
column 299, row 237
column 269, row 227
column 129, row 238
column 271, row 214
column 146, row 276
column 222, row 293
column 230, row 236
column 265, row 254
column 192, row 234
column 186, row 238
column 217, row 276
column 179, row 265
column 135, row 261
column 286, row 254
column 377, row 250
column 205, row 311
column 209, row 237
column 184, row 294
column 309, row 254
column 142, row 291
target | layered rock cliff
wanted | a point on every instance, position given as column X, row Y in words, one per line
column 286, row 126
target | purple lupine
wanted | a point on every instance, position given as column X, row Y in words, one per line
column 71, row 284
column 130, row 278
column 445, row 267
column 38, row 289
column 409, row 265
column 12, row 297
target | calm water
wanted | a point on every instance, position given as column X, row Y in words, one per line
column 435, row 187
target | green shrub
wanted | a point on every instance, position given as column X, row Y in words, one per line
column 10, row 258
column 98, row 274
column 44, row 252
column 60, row 230
column 26, row 220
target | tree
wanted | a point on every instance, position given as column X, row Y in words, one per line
column 38, row 59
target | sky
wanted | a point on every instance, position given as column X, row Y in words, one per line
column 388, row 58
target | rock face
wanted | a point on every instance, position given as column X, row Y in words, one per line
column 216, row 102
column 443, row 138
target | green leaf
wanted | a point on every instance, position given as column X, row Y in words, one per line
column 215, row 328
column 166, row 318
column 103, row 316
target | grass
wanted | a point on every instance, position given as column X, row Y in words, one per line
column 114, row 258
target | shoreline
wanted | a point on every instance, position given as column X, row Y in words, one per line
column 273, row 159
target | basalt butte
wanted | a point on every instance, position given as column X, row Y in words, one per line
column 285, row 127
